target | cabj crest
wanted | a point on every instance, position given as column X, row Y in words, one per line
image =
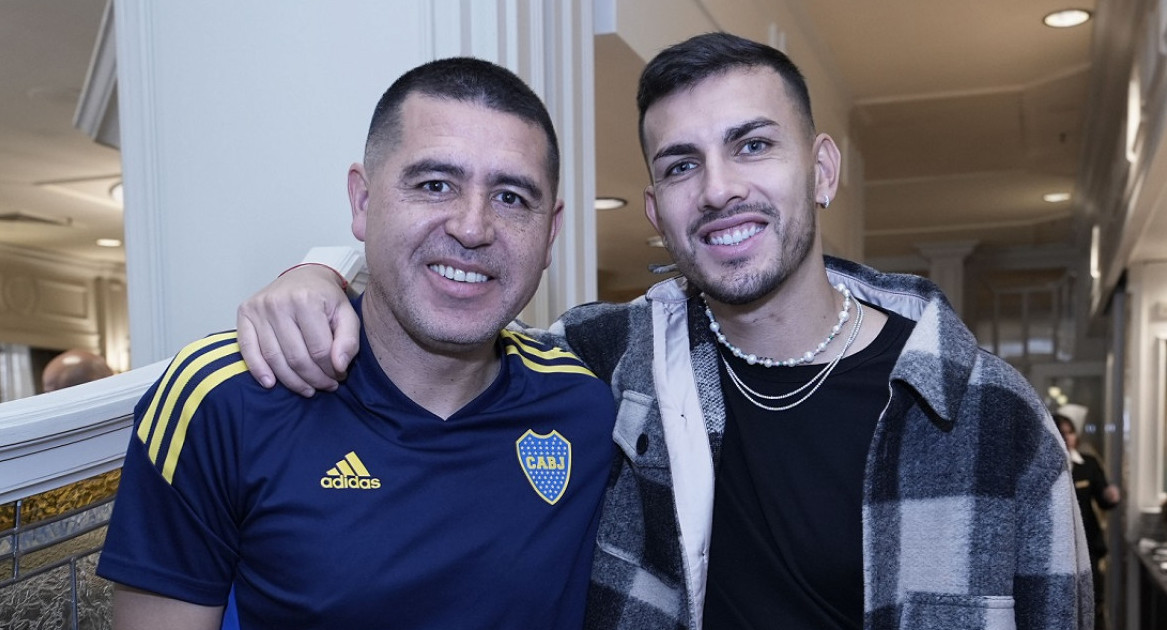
column 546, row 461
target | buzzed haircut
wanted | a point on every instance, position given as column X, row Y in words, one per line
column 464, row 79
column 682, row 66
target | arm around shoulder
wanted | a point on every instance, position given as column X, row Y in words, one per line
column 301, row 329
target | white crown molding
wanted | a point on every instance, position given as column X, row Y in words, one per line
column 97, row 108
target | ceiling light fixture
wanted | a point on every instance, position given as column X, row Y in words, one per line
column 1057, row 197
column 1066, row 18
column 115, row 192
column 610, row 203
column 108, row 242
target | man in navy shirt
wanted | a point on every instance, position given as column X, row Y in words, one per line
column 454, row 479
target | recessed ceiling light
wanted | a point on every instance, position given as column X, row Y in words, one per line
column 610, row 203
column 1066, row 18
column 115, row 192
column 108, row 242
column 1057, row 197
column 655, row 241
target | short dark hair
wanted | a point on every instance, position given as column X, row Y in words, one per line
column 1059, row 420
column 684, row 65
column 460, row 79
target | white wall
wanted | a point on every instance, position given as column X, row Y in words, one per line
column 1146, row 382
column 239, row 121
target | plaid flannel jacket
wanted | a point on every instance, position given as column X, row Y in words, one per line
column 969, row 518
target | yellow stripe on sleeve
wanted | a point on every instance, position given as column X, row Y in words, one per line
column 528, row 345
column 148, row 419
column 188, row 410
column 548, row 369
column 178, row 389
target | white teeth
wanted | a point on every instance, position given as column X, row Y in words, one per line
column 458, row 275
column 736, row 237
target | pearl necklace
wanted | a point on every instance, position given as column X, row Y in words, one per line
column 758, row 399
column 807, row 356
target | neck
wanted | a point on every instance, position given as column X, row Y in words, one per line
column 441, row 380
column 788, row 322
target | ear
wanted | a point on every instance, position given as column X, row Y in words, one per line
column 556, row 223
column 358, row 198
column 650, row 207
column 826, row 167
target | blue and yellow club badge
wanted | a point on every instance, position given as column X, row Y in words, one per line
column 546, row 461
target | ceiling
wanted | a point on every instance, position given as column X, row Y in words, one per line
column 965, row 113
column 54, row 180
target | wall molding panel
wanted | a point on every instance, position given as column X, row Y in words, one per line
column 58, row 302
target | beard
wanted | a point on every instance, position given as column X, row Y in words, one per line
column 741, row 285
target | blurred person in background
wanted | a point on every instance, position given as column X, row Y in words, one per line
column 73, row 367
column 1090, row 485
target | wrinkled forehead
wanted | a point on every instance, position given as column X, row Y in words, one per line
column 471, row 130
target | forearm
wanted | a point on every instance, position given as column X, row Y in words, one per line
column 347, row 262
column 135, row 609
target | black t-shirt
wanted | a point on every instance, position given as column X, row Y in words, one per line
column 786, row 549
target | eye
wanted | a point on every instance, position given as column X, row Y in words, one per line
column 680, row 168
column 511, row 198
column 755, row 146
column 435, row 186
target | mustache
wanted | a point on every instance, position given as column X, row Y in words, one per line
column 742, row 208
column 461, row 256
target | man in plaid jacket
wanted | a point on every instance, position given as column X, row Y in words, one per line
column 968, row 518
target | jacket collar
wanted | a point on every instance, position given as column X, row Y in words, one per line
column 937, row 360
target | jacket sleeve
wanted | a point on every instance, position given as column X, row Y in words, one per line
column 1052, row 586
column 597, row 333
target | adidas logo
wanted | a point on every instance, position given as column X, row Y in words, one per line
column 349, row 472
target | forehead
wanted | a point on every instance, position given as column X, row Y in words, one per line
column 471, row 134
column 718, row 103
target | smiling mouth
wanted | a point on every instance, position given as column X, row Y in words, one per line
column 733, row 236
column 458, row 275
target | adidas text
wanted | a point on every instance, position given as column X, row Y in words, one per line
column 356, row 483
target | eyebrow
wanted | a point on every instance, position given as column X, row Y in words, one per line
column 732, row 134
column 681, row 148
column 518, row 181
column 737, row 133
column 422, row 167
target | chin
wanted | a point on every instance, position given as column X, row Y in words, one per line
column 738, row 287
column 472, row 330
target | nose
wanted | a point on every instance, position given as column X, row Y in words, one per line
column 722, row 185
column 472, row 224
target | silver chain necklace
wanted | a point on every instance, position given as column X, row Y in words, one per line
column 806, row 357
column 758, row 399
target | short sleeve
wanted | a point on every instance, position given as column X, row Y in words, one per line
column 174, row 526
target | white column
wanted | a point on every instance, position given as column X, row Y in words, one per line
column 1146, row 390
column 946, row 268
